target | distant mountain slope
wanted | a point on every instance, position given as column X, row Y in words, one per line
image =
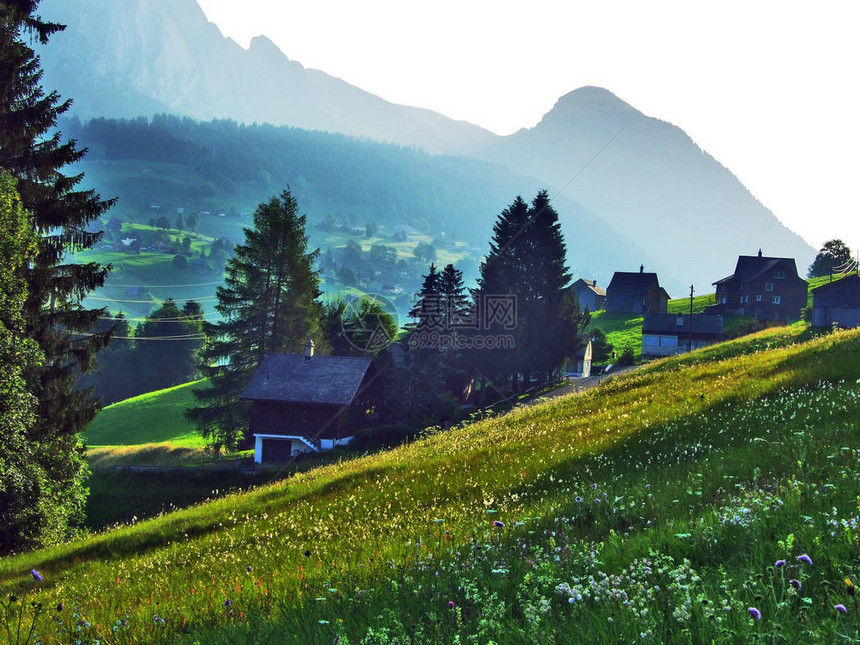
column 652, row 182
column 652, row 189
column 127, row 58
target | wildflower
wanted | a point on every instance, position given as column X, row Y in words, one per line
column 755, row 613
column 578, row 499
column 794, row 582
column 849, row 587
column 840, row 608
column 451, row 604
column 228, row 602
column 804, row 558
column 248, row 568
column 499, row 524
column 36, row 575
column 59, row 606
column 779, row 563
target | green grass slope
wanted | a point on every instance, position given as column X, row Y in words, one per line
column 153, row 417
column 650, row 509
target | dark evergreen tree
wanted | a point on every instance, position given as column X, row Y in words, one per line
column 834, row 257
column 115, row 376
column 455, row 306
column 427, row 312
column 34, row 153
column 270, row 304
column 501, row 283
column 552, row 323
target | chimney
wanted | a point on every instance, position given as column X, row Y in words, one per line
column 641, row 268
column 309, row 349
column 759, row 252
column 594, row 283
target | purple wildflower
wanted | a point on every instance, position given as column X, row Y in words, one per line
column 248, row 568
column 779, row 563
column 594, row 487
column 840, row 608
column 794, row 582
column 36, row 575
column 499, row 524
column 228, row 602
column 451, row 604
column 755, row 613
column 804, row 558
column 578, row 499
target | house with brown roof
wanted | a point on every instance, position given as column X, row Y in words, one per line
column 305, row 403
column 669, row 334
column 837, row 303
column 763, row 287
column 589, row 295
column 636, row 293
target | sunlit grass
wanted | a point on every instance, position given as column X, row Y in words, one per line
column 470, row 533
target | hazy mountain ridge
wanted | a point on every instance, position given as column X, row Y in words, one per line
column 651, row 185
column 651, row 181
column 139, row 57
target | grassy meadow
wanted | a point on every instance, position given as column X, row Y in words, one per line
column 710, row 497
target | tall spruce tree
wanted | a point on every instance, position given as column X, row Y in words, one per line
column 426, row 311
column 270, row 304
column 523, row 292
column 552, row 322
column 501, row 282
column 61, row 216
column 455, row 305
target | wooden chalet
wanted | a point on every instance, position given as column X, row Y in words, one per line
column 636, row 293
column 762, row 287
column 589, row 295
column 305, row 403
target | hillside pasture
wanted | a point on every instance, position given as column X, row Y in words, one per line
column 679, row 485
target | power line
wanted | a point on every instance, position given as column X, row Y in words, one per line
column 186, row 337
column 165, row 286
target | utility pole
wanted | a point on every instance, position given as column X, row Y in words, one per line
column 690, row 336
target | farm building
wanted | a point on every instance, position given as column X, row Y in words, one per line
column 580, row 364
column 763, row 287
column 837, row 303
column 636, row 293
column 304, row 403
column 668, row 334
column 589, row 295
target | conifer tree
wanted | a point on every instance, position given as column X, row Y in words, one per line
column 552, row 322
column 455, row 305
column 426, row 311
column 501, row 283
column 270, row 304
column 61, row 216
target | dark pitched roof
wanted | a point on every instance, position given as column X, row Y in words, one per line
column 847, row 289
column 750, row 267
column 291, row 378
column 704, row 325
column 633, row 282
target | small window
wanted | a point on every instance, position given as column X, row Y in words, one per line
column 777, row 300
column 779, row 275
column 768, row 286
column 758, row 298
column 679, row 321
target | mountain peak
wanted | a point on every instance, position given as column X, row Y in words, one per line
column 589, row 100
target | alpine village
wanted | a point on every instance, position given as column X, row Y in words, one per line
column 286, row 365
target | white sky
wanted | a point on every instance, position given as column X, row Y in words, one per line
column 769, row 88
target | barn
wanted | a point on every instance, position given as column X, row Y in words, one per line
column 302, row 403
